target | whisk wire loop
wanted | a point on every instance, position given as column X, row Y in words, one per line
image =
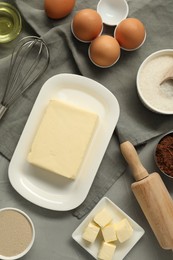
column 15, row 73
column 28, row 62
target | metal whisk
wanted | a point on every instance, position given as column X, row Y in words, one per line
column 29, row 60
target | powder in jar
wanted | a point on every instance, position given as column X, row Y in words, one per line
column 157, row 96
column 16, row 232
column 164, row 154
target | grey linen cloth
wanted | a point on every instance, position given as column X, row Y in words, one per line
column 67, row 55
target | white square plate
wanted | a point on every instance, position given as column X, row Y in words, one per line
column 122, row 249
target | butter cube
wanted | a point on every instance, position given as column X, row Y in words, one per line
column 62, row 138
column 109, row 233
column 106, row 251
column 91, row 232
column 124, row 230
column 103, row 217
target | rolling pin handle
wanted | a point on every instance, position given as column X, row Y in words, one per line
column 130, row 155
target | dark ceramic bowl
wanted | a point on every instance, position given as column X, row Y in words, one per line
column 164, row 154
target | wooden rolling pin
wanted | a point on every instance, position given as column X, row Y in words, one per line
column 152, row 196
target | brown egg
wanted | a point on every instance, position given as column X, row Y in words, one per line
column 57, row 9
column 87, row 25
column 130, row 33
column 104, row 51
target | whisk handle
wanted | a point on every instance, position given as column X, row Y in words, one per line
column 2, row 110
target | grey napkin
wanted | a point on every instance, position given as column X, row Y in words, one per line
column 136, row 123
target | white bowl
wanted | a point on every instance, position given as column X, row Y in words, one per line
column 158, row 98
column 112, row 11
column 11, row 221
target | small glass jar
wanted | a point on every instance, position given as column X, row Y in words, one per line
column 10, row 22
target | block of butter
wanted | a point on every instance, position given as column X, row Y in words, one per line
column 62, row 138
column 90, row 233
column 109, row 233
column 103, row 217
column 123, row 229
column 106, row 251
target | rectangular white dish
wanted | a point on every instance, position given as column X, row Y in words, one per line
column 50, row 190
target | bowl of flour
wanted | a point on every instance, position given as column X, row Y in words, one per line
column 155, row 96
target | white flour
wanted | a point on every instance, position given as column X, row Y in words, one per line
column 158, row 96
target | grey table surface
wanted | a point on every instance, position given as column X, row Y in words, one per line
column 54, row 229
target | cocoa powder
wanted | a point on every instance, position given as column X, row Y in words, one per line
column 164, row 154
